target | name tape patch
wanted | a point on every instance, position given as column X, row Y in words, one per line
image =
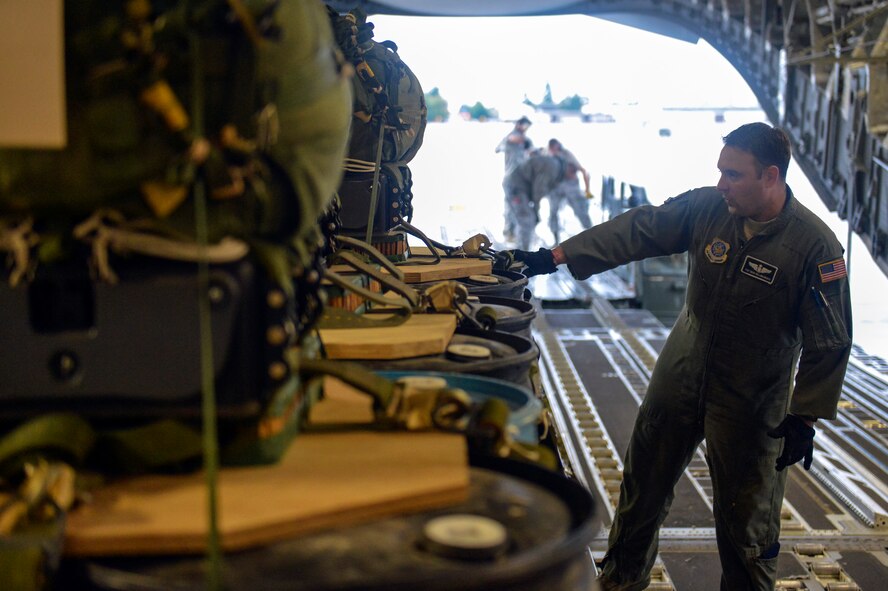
column 759, row 269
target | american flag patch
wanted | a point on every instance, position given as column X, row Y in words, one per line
column 832, row 270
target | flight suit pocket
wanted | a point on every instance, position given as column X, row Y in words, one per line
column 825, row 331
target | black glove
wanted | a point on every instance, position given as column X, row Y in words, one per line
column 541, row 262
column 798, row 442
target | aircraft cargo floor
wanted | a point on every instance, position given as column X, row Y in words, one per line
column 595, row 363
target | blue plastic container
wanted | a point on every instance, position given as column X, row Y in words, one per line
column 525, row 408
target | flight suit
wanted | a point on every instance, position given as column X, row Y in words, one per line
column 525, row 187
column 727, row 372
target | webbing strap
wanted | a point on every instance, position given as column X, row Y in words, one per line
column 404, row 290
column 208, row 386
column 30, row 557
column 378, row 388
column 414, row 231
column 61, row 435
column 341, row 318
column 372, row 252
column 146, row 448
column 374, row 193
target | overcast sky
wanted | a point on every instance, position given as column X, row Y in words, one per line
column 499, row 60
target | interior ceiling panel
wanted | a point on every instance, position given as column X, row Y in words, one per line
column 819, row 69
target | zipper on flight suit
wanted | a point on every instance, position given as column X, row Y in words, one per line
column 725, row 283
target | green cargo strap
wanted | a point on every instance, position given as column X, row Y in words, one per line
column 374, row 193
column 375, row 255
column 387, row 281
column 378, row 388
column 161, row 444
column 65, row 436
column 29, row 557
column 491, row 429
column 341, row 318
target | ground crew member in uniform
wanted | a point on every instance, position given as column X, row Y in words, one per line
column 767, row 288
column 525, row 187
column 569, row 190
column 517, row 148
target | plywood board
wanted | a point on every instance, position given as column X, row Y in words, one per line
column 32, row 74
column 422, row 334
column 325, row 480
column 455, row 268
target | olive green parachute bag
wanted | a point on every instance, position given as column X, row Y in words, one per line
column 273, row 106
column 387, row 130
column 204, row 138
column 244, row 102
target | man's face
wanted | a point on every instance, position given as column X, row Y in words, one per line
column 741, row 183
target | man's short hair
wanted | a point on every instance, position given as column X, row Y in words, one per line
column 553, row 143
column 523, row 121
column 769, row 145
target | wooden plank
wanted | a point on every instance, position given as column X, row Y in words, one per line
column 422, row 334
column 325, row 480
column 32, row 74
column 455, row 268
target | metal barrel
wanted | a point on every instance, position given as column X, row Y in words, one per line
column 521, row 527
column 510, row 357
column 507, row 284
column 512, row 315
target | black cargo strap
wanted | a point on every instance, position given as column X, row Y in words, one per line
column 373, row 253
column 374, row 192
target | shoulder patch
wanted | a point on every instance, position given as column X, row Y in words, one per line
column 832, row 270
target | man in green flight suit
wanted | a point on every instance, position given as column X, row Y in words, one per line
column 756, row 356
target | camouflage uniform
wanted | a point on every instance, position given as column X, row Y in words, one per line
column 525, row 186
column 516, row 154
column 727, row 373
column 568, row 190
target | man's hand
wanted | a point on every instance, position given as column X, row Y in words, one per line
column 798, row 442
column 535, row 263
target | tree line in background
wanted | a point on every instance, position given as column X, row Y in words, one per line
column 438, row 111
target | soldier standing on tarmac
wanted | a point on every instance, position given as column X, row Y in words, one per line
column 756, row 357
column 517, row 147
column 569, row 190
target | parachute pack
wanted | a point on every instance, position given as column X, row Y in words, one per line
column 388, row 122
column 198, row 133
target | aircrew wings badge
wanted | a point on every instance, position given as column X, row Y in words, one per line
column 759, row 269
column 832, row 270
column 717, row 251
